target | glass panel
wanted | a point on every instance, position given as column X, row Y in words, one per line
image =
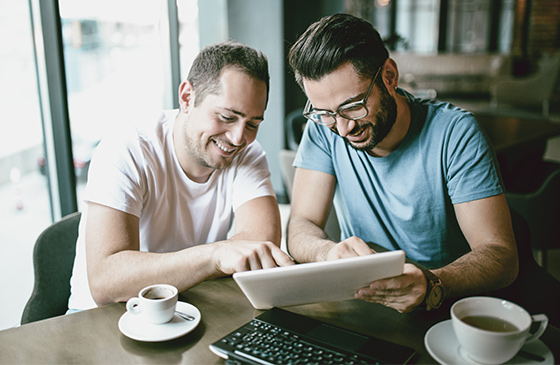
column 505, row 33
column 417, row 24
column 381, row 18
column 116, row 68
column 189, row 41
column 468, row 26
column 24, row 197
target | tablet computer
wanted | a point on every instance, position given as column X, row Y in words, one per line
column 315, row 282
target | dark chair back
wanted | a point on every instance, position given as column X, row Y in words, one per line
column 534, row 289
column 295, row 124
column 541, row 209
column 53, row 261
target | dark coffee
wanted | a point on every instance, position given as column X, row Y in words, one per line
column 489, row 323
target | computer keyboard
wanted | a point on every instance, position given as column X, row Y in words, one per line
column 264, row 343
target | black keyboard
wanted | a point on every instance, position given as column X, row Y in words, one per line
column 278, row 336
column 265, row 343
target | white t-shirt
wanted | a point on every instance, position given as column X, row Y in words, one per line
column 138, row 173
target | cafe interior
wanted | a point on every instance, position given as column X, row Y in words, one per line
column 74, row 65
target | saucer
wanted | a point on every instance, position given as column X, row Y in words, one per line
column 441, row 343
column 133, row 326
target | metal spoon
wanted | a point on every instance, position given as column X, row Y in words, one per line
column 185, row 316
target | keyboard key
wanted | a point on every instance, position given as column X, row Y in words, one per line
column 272, row 344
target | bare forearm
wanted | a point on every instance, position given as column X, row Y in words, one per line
column 487, row 268
column 306, row 241
column 121, row 275
column 124, row 273
column 492, row 264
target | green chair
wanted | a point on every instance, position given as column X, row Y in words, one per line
column 53, row 261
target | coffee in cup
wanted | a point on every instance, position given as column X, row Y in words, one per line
column 492, row 330
column 155, row 303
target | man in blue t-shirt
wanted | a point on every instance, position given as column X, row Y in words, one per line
column 404, row 173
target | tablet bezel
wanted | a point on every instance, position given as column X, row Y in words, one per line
column 315, row 282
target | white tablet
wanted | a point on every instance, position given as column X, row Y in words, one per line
column 316, row 282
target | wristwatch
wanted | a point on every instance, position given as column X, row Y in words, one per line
column 435, row 292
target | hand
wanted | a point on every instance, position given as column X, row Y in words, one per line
column 350, row 247
column 237, row 255
column 402, row 293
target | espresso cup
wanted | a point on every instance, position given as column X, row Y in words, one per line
column 492, row 330
column 155, row 303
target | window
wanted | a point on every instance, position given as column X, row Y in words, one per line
column 118, row 71
column 24, row 197
column 417, row 23
column 430, row 26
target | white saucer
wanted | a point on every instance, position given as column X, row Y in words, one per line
column 135, row 327
column 442, row 344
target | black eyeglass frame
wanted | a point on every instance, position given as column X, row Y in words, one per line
column 307, row 111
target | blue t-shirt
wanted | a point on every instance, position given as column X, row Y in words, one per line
column 405, row 200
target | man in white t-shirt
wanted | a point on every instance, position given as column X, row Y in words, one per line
column 160, row 203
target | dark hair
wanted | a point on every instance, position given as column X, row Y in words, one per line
column 334, row 40
column 207, row 67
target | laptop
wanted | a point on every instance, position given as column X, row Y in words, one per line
column 316, row 282
column 281, row 337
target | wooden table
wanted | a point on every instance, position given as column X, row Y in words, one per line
column 512, row 134
column 520, row 145
column 93, row 336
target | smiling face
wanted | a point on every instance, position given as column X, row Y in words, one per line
column 208, row 136
column 343, row 86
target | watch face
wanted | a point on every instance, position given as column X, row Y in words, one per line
column 436, row 296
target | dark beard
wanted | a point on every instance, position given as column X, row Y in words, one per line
column 385, row 118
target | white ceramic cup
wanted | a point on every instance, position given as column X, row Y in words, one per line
column 155, row 303
column 486, row 338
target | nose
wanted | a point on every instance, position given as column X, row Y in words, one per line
column 344, row 126
column 236, row 134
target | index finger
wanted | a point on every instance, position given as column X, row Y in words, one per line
column 281, row 258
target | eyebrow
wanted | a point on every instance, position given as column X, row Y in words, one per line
column 241, row 114
column 351, row 99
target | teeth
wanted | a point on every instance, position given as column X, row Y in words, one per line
column 223, row 147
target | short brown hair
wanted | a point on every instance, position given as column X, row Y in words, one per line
column 207, row 67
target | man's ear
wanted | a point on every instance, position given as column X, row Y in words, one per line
column 186, row 96
column 390, row 73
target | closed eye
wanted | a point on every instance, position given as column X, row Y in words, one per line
column 252, row 126
column 227, row 119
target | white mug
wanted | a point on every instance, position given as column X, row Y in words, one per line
column 492, row 330
column 155, row 303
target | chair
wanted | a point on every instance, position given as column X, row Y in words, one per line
column 534, row 289
column 295, row 125
column 53, row 261
column 294, row 128
column 287, row 170
column 535, row 89
column 541, row 209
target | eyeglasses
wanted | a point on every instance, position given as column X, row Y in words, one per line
column 352, row 111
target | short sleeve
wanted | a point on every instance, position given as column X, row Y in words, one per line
column 471, row 166
column 252, row 176
column 315, row 149
column 115, row 174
